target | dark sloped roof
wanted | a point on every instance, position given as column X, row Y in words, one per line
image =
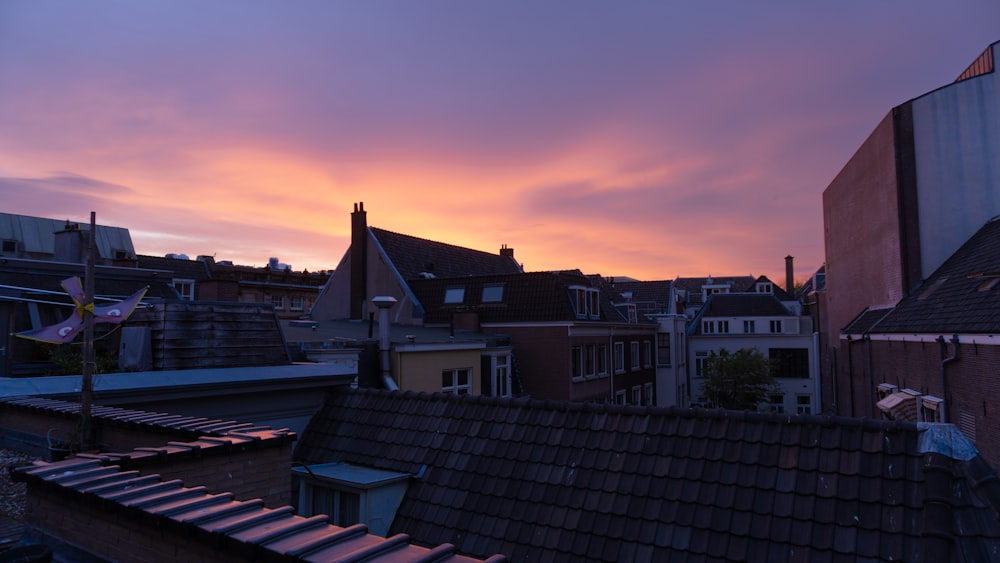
column 545, row 481
column 650, row 297
column 411, row 256
column 958, row 297
column 736, row 283
column 195, row 270
column 866, row 320
column 744, row 305
column 527, row 297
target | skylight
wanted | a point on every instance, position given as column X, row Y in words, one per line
column 454, row 295
column 493, row 293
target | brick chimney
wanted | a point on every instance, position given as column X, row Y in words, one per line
column 789, row 275
column 359, row 260
column 505, row 251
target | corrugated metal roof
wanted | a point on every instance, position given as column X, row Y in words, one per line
column 35, row 234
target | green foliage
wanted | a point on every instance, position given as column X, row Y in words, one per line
column 740, row 380
column 68, row 359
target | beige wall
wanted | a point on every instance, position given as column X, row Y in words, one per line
column 421, row 371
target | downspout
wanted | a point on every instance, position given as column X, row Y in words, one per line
column 871, row 384
column 945, row 360
column 850, row 372
column 384, row 303
column 611, row 363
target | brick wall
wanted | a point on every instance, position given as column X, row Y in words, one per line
column 971, row 381
column 116, row 535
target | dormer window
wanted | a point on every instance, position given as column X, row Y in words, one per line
column 350, row 494
column 765, row 287
column 587, row 302
column 454, row 295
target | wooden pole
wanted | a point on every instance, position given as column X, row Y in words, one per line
column 87, row 387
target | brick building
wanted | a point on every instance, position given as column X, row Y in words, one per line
column 918, row 187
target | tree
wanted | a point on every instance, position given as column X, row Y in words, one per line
column 740, row 380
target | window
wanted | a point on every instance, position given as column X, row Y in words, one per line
column 9, row 245
column 647, row 353
column 456, row 381
column 634, row 349
column 699, row 363
column 749, row 327
column 775, row 326
column 637, row 395
column 492, row 293
column 602, row 359
column 278, row 301
column 633, row 315
column 707, row 327
column 803, row 404
column 764, row 287
column 723, row 327
column 349, row 494
column 587, row 302
column 589, row 359
column 619, row 358
column 296, row 303
column 595, row 304
column 776, row 404
column 620, row 397
column 185, row 288
column 576, row 361
column 454, row 295
column 789, row 362
column 647, row 394
column 663, row 349
column 499, row 367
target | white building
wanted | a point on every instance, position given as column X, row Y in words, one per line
column 769, row 320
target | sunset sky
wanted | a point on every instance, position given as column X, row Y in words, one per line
column 650, row 139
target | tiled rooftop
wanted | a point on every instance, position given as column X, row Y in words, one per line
column 744, row 305
column 412, row 255
column 962, row 296
column 230, row 526
column 544, row 481
column 527, row 297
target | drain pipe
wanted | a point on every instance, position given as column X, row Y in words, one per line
column 384, row 303
column 945, row 360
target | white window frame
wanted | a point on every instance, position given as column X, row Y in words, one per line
column 620, row 397
column 636, row 394
column 634, row 349
column 776, row 403
column 589, row 360
column 648, row 397
column 455, row 387
column 803, row 407
column 602, row 359
column 576, row 362
column 184, row 288
column 295, row 303
column 619, row 357
column 647, row 353
column 501, row 378
column 699, row 363
column 278, row 302
column 775, row 326
column 749, row 327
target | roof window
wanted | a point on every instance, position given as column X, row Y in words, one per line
column 493, row 293
column 454, row 295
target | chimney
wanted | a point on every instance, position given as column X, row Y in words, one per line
column 508, row 252
column 70, row 244
column 789, row 275
column 359, row 260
